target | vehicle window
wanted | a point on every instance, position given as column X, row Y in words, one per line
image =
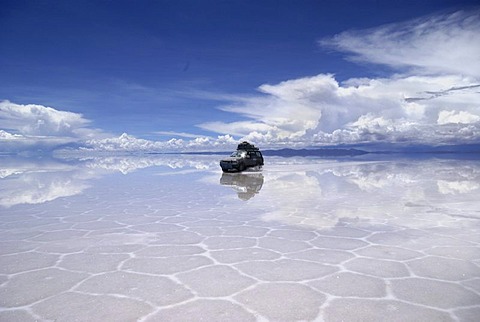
column 238, row 154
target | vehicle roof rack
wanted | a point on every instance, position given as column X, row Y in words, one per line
column 247, row 146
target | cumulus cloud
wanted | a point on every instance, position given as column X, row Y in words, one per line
column 446, row 117
column 31, row 126
column 40, row 120
column 284, row 111
column 319, row 110
column 432, row 100
column 129, row 143
column 23, row 126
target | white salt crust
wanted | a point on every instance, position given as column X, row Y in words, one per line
column 303, row 239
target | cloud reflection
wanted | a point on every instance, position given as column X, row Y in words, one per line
column 308, row 192
column 329, row 194
column 36, row 181
column 31, row 181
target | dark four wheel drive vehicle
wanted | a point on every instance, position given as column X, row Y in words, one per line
column 246, row 156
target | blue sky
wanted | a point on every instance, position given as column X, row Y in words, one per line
column 209, row 73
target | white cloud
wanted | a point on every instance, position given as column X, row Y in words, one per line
column 448, row 43
column 4, row 135
column 129, row 143
column 434, row 100
column 446, row 117
column 24, row 126
column 319, row 110
column 40, row 120
column 32, row 126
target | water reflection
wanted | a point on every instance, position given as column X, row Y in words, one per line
column 407, row 193
column 39, row 180
column 246, row 185
column 34, row 181
column 294, row 191
column 130, row 163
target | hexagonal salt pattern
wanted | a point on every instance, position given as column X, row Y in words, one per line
column 165, row 239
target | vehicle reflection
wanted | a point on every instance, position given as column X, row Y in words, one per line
column 245, row 185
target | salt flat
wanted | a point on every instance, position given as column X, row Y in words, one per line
column 171, row 238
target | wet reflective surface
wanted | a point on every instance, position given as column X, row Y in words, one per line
column 159, row 238
column 246, row 184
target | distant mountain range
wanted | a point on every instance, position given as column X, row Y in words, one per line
column 314, row 152
column 352, row 151
column 290, row 152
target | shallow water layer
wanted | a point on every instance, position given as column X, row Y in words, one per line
column 160, row 238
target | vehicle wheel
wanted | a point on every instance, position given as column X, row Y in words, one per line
column 241, row 167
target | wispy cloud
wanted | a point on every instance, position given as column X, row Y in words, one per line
column 437, row 44
column 178, row 134
column 434, row 94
